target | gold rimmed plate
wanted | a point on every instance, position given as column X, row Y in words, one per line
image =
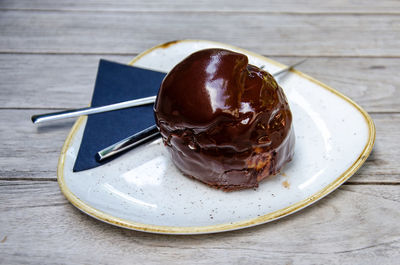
column 142, row 190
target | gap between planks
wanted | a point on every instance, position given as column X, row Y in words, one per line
column 29, row 179
column 248, row 12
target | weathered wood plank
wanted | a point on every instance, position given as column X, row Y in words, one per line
column 52, row 81
column 30, row 151
column 313, row 6
column 357, row 224
column 273, row 34
column 354, row 225
column 66, row 81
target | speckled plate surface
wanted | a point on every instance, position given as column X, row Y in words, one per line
column 142, row 190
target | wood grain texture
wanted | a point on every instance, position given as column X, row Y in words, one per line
column 66, row 81
column 272, row 34
column 50, row 81
column 271, row 6
column 49, row 51
column 31, row 151
column 354, row 225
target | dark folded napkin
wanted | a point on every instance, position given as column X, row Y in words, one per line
column 115, row 83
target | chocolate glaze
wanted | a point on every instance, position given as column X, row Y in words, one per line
column 225, row 122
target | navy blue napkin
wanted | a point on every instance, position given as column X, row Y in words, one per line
column 115, row 83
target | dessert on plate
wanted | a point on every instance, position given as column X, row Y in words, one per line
column 224, row 121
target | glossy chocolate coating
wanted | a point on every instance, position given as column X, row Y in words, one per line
column 225, row 122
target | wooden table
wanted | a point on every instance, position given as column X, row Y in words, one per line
column 49, row 51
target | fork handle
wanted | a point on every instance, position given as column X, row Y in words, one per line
column 91, row 110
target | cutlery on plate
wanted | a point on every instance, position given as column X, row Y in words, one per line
column 128, row 143
column 121, row 105
column 151, row 132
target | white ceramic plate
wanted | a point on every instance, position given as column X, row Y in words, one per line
column 142, row 190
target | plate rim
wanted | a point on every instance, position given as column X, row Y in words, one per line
column 108, row 218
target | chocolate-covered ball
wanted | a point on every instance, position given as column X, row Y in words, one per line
column 225, row 122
